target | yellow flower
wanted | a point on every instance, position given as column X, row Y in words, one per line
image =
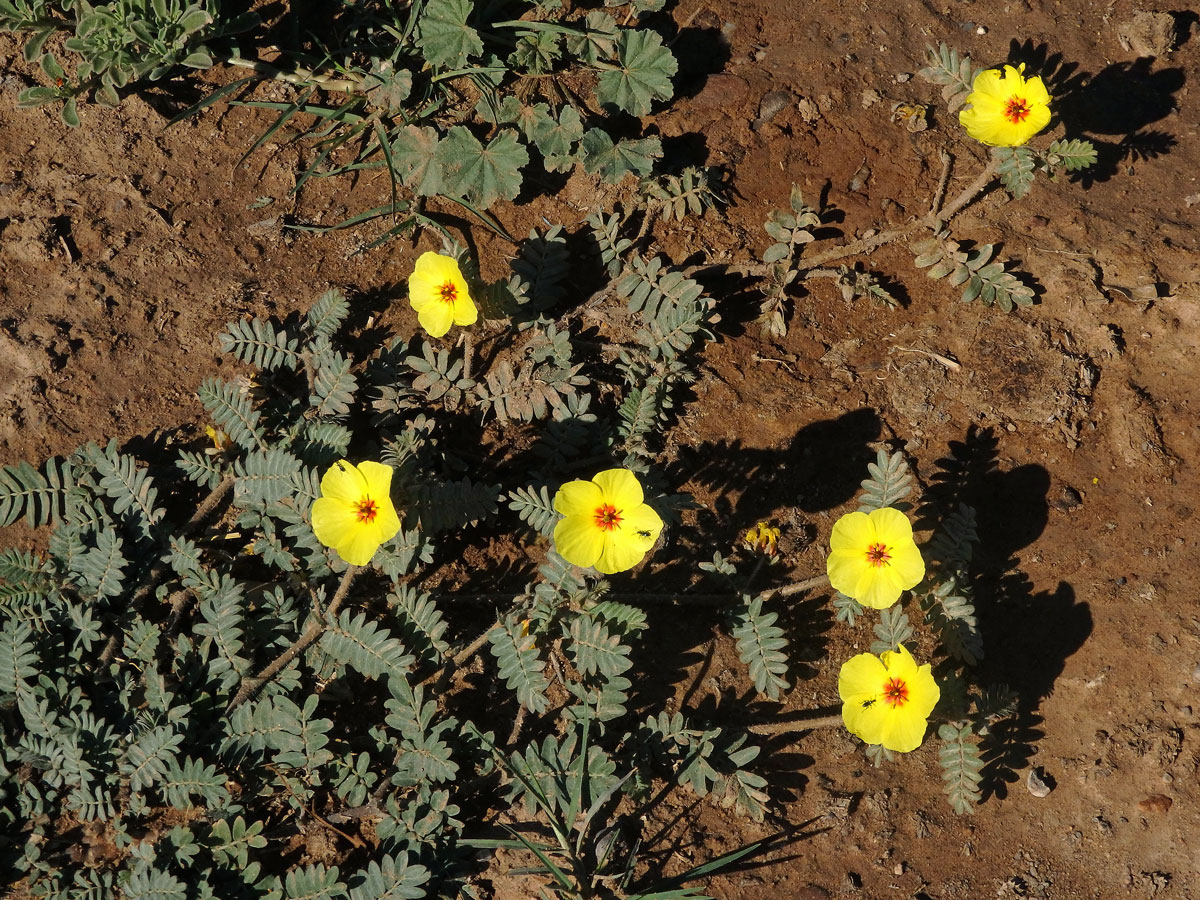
column 354, row 513
column 1005, row 109
column 887, row 699
column 873, row 558
column 763, row 538
column 438, row 292
column 605, row 523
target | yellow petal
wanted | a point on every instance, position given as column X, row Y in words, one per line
column 579, row 498
column 343, row 481
column 845, row 568
column 465, row 312
column 336, row 525
column 436, row 317
column 578, row 540
column 620, row 487
column 891, row 527
column 986, row 83
column 861, row 676
column 854, row 531
column 875, row 589
column 901, row 731
column 1035, row 91
column 378, row 478
column 360, row 545
column 622, row 550
column 642, row 523
column 907, row 566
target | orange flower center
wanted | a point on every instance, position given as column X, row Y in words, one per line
column 447, row 293
column 895, row 693
column 607, row 517
column 878, row 556
column 366, row 510
column 1016, row 110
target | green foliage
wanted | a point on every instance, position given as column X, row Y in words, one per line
column 1074, row 155
column 890, row 483
column 117, row 44
column 961, row 765
column 892, row 630
column 674, row 197
column 519, row 664
column 1016, row 169
column 24, row 491
column 760, row 644
column 954, row 73
column 643, row 73
column 987, row 282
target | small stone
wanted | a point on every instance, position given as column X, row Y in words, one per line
column 1196, row 674
column 898, row 869
column 981, row 30
column 904, row 78
column 1156, row 803
column 1039, row 783
column 1121, row 580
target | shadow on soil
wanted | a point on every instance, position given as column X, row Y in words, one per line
column 1028, row 634
column 1121, row 101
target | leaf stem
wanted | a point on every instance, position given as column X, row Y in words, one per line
column 251, row 686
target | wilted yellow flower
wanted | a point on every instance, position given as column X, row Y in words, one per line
column 354, row 513
column 605, row 522
column 873, row 558
column 887, row 699
column 763, row 538
column 438, row 292
column 219, row 439
column 1005, row 109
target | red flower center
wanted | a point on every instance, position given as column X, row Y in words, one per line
column 1016, row 110
column 878, row 556
column 366, row 510
column 607, row 517
column 447, row 293
column 895, row 693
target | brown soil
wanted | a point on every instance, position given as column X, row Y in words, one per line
column 125, row 247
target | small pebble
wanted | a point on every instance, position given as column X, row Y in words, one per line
column 904, row 77
column 1039, row 783
column 1196, row 674
column 1156, row 803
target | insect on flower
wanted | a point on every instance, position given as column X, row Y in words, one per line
column 605, row 522
column 887, row 699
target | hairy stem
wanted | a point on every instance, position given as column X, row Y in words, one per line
column 250, row 686
column 829, row 721
column 299, row 75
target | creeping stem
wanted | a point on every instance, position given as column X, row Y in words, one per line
column 250, row 686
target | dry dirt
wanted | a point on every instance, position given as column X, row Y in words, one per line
column 125, row 247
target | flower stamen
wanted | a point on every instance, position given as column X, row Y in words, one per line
column 447, row 292
column 878, row 555
column 607, row 517
column 365, row 510
column 895, row 693
column 1016, row 110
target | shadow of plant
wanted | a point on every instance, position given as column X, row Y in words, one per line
column 1027, row 635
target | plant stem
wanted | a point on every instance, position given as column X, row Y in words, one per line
column 250, row 686
column 796, row 725
column 786, row 590
column 300, row 75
